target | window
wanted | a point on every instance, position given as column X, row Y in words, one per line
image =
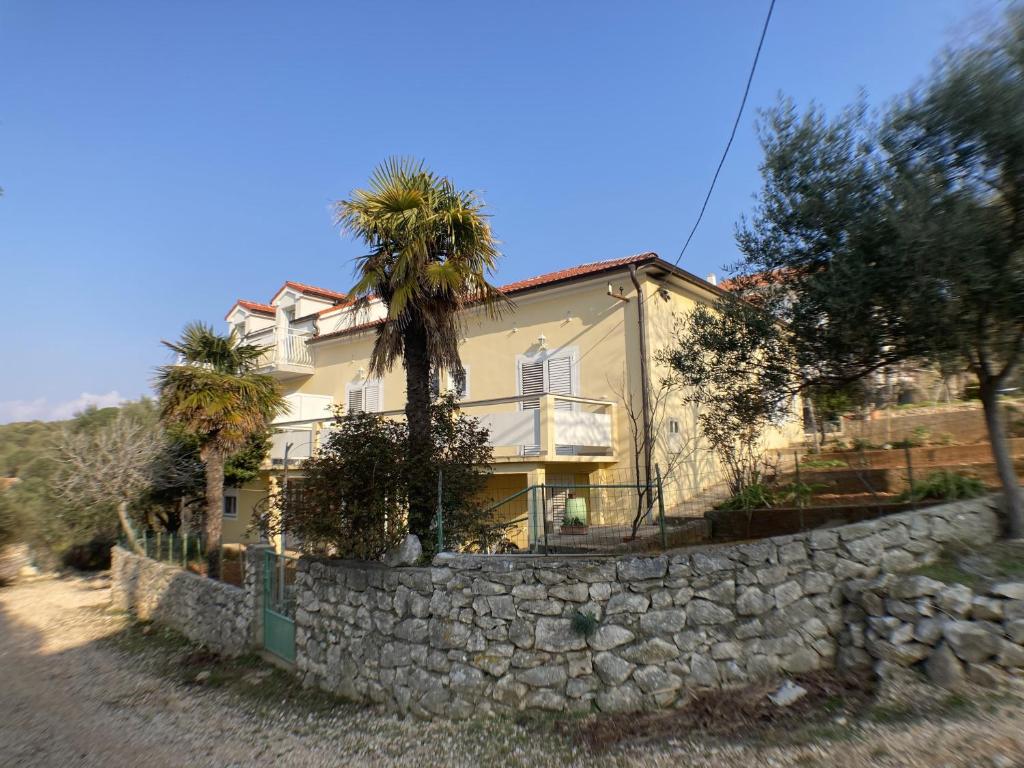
column 555, row 375
column 230, row 505
column 435, row 383
column 460, row 384
column 460, row 388
column 364, row 397
column 673, row 426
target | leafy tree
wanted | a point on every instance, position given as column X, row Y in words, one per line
column 215, row 394
column 876, row 243
column 733, row 362
column 430, row 248
column 353, row 496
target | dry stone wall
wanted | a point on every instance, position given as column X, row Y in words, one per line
column 949, row 631
column 220, row 616
column 473, row 634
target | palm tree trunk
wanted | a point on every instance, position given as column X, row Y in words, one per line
column 1004, row 463
column 214, row 511
column 422, row 486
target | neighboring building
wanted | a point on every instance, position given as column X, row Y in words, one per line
column 557, row 378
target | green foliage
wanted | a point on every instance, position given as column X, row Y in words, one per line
column 822, row 463
column 353, row 496
column 584, row 623
column 756, row 495
column 717, row 359
column 430, row 248
column 571, row 521
column 351, row 500
column 945, row 485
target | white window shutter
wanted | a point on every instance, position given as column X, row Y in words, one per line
column 371, row 397
column 531, row 382
column 355, row 400
column 560, row 379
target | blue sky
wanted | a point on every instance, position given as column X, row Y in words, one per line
column 161, row 159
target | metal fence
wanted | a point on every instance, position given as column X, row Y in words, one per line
column 186, row 550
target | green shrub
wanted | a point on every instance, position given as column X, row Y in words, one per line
column 945, row 485
column 584, row 623
column 754, row 496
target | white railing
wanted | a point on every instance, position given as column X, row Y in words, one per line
column 561, row 426
column 283, row 349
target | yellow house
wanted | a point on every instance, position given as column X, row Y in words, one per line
column 558, row 380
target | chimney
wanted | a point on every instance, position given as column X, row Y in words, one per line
column 712, row 278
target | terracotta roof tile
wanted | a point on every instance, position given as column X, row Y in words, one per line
column 252, row 306
column 580, row 270
column 312, row 290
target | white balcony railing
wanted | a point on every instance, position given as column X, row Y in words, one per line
column 283, row 349
column 558, row 426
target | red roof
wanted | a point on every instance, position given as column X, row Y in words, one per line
column 572, row 273
column 312, row 290
column 581, row 270
column 252, row 306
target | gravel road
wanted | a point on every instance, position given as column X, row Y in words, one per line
column 71, row 695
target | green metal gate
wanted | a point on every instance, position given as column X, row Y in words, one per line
column 279, row 605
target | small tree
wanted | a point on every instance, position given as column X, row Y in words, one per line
column 215, row 394
column 353, row 499
column 733, row 362
column 673, row 455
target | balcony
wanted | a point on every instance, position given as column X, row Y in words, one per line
column 525, row 429
column 286, row 354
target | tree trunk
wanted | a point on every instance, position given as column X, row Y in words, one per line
column 1004, row 462
column 422, row 486
column 214, row 511
column 126, row 526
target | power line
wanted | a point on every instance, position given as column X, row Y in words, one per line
column 735, row 125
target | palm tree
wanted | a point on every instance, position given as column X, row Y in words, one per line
column 214, row 393
column 430, row 248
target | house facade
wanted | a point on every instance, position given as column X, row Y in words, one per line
column 557, row 378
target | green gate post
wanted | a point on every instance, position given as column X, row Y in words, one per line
column 544, row 514
column 184, row 553
column 661, row 507
column 532, row 501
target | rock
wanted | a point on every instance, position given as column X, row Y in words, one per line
column 627, row 602
column 610, row 636
column 706, row 612
column 520, row 633
column 787, row 593
column 944, row 668
column 928, row 631
column 642, row 569
column 558, row 636
column 909, row 587
column 901, row 655
column 800, row 661
column 1015, row 630
column 984, row 675
column 611, row 669
column 788, row 693
column 550, row 676
column 203, row 676
column 406, row 553
column 703, row 671
column 446, row 634
column 722, row 592
column 969, row 642
column 623, row 698
column 753, row 602
column 987, row 608
column 955, row 600
column 656, row 651
column 1012, row 590
column 656, row 678
column 664, row 622
column 574, row 593
column 710, row 562
column 545, row 699
column 1011, row 655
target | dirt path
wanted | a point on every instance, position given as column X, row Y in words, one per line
column 81, row 686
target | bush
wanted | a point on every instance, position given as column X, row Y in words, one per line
column 754, row 496
column 944, row 485
column 353, row 497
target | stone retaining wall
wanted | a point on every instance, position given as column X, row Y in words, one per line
column 475, row 634
column 218, row 615
column 947, row 630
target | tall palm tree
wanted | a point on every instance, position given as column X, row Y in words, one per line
column 430, row 249
column 214, row 393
